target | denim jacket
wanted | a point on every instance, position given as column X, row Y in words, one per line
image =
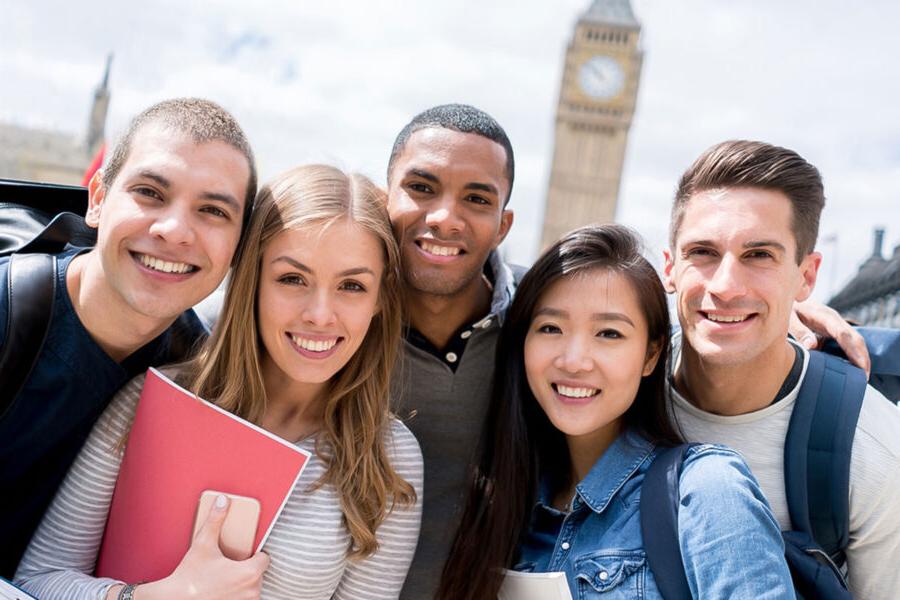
column 730, row 542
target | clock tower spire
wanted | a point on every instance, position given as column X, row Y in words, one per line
column 596, row 104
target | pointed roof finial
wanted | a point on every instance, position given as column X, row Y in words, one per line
column 612, row 12
column 105, row 83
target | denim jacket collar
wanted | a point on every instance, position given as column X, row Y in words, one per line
column 617, row 465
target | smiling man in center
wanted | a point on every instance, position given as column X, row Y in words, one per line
column 449, row 180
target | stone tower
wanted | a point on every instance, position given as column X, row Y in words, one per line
column 97, row 122
column 596, row 104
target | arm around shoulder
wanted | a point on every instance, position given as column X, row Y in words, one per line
column 731, row 544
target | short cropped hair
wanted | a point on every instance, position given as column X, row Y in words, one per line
column 742, row 163
column 462, row 118
column 202, row 120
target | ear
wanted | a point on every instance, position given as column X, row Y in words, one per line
column 506, row 221
column 96, row 195
column 809, row 271
column 668, row 271
column 654, row 350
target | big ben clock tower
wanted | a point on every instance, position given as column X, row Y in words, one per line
column 596, row 104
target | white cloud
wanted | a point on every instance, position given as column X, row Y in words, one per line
column 335, row 81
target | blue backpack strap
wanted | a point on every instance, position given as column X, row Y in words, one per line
column 660, row 498
column 817, row 451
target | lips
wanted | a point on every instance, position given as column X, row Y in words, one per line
column 725, row 319
column 432, row 248
column 573, row 393
column 317, row 346
column 161, row 265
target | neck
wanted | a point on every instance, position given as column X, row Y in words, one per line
column 734, row 389
column 118, row 330
column 584, row 452
column 294, row 410
column 438, row 317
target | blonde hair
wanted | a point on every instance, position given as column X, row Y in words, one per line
column 357, row 418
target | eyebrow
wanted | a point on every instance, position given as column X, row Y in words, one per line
column 428, row 176
column 164, row 183
column 599, row 316
column 746, row 245
column 301, row 267
column 766, row 244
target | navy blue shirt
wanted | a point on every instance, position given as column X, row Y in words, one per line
column 72, row 382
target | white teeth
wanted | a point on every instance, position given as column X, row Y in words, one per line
column 575, row 392
column 314, row 345
column 164, row 265
column 726, row 318
column 439, row 250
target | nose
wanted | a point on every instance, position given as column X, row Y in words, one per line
column 174, row 225
column 726, row 282
column 573, row 356
column 319, row 308
column 443, row 216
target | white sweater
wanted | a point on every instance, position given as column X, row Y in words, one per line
column 307, row 546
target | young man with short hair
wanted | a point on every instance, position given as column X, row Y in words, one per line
column 169, row 211
column 449, row 181
column 743, row 233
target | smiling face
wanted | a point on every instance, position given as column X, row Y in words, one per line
column 169, row 223
column 445, row 197
column 318, row 293
column 735, row 274
column 586, row 351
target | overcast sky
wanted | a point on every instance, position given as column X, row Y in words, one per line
column 315, row 80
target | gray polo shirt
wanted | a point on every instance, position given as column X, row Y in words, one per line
column 442, row 395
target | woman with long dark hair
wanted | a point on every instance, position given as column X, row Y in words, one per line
column 578, row 415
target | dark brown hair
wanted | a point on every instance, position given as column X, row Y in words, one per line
column 741, row 163
column 519, row 442
column 203, row 121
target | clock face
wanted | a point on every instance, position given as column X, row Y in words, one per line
column 601, row 77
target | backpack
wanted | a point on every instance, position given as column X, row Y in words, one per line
column 817, row 484
column 38, row 221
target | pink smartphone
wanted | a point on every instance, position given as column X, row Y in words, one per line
column 239, row 528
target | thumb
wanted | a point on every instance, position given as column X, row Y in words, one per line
column 209, row 534
column 259, row 561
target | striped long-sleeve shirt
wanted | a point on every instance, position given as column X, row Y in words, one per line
column 307, row 546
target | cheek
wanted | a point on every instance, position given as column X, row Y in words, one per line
column 537, row 357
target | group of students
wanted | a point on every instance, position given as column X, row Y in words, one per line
column 463, row 417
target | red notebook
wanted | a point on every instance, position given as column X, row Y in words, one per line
column 179, row 446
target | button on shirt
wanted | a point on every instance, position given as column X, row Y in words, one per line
column 730, row 542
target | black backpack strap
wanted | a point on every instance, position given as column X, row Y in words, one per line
column 660, row 498
column 30, row 291
column 817, row 451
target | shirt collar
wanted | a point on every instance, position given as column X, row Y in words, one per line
column 504, row 285
column 617, row 465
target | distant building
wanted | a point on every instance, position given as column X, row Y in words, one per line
column 873, row 296
column 54, row 156
column 596, row 103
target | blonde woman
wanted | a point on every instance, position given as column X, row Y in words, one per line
column 305, row 345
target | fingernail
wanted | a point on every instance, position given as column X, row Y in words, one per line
column 221, row 501
column 809, row 341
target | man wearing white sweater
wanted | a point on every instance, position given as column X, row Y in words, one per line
column 743, row 232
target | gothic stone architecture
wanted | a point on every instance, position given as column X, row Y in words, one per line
column 873, row 296
column 54, row 156
column 596, row 105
